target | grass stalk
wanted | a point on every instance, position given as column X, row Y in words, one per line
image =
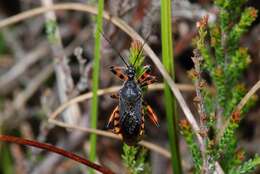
column 170, row 104
column 95, row 79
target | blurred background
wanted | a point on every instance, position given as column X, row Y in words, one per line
column 30, row 88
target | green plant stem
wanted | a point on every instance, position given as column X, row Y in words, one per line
column 94, row 101
column 170, row 104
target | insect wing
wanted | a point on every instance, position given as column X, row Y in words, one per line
column 130, row 120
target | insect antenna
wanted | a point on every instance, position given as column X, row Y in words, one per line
column 117, row 52
column 140, row 51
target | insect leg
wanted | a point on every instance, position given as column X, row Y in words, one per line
column 119, row 72
column 112, row 117
column 142, row 77
column 148, row 81
column 115, row 96
column 151, row 114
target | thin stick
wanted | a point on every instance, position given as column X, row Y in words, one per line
column 57, row 150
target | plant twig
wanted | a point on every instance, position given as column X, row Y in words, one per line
column 199, row 84
column 57, row 150
column 62, row 70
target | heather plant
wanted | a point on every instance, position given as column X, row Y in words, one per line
column 218, row 53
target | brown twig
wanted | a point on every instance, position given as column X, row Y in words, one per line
column 64, row 80
column 57, row 150
column 199, row 101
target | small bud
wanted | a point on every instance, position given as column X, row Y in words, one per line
column 240, row 154
column 184, row 124
column 192, row 74
column 136, row 45
column 253, row 12
column 235, row 117
column 203, row 22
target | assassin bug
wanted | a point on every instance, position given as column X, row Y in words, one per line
column 127, row 119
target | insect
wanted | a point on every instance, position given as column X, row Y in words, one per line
column 127, row 119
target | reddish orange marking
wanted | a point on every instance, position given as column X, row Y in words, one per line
column 118, row 71
column 153, row 117
column 113, row 115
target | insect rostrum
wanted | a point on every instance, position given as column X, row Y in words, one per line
column 127, row 119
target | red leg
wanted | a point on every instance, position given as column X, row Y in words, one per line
column 152, row 116
column 119, row 72
column 148, row 81
column 144, row 75
column 113, row 116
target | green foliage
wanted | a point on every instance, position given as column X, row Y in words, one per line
column 247, row 166
column 189, row 137
column 134, row 160
column 6, row 160
column 136, row 57
column 237, row 94
column 247, row 18
column 228, row 135
column 225, row 61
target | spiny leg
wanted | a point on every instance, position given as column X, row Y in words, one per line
column 119, row 72
column 112, row 117
column 151, row 114
column 150, row 80
column 115, row 120
column 143, row 76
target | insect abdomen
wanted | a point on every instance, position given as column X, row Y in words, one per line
column 130, row 129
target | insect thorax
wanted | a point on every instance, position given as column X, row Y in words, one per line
column 130, row 91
